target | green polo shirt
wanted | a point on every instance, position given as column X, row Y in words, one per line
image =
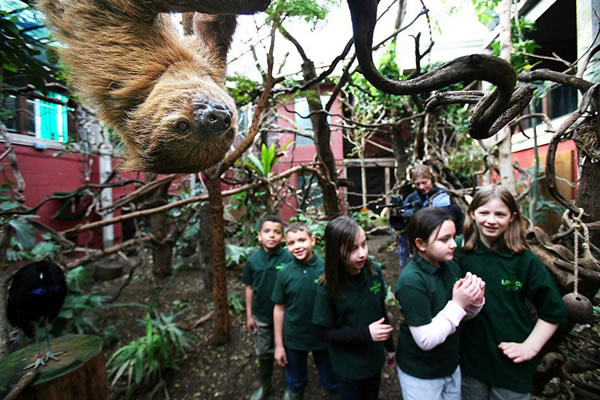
column 360, row 303
column 260, row 272
column 423, row 290
column 510, row 279
column 295, row 288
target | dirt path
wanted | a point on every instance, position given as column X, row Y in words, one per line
column 230, row 371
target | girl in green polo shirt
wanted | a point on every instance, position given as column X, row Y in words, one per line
column 500, row 345
column 434, row 300
column 350, row 309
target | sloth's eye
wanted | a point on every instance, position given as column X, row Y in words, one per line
column 182, row 126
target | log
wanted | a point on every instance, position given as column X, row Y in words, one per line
column 79, row 373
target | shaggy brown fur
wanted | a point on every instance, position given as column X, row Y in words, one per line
column 163, row 92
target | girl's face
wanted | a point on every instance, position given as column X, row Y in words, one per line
column 492, row 219
column 440, row 245
column 358, row 253
column 423, row 185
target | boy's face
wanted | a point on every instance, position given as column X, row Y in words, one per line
column 300, row 244
column 270, row 235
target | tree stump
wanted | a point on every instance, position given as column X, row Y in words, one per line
column 78, row 374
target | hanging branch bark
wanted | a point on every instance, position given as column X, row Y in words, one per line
column 463, row 69
column 210, row 6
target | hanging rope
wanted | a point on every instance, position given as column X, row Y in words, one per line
column 587, row 254
column 576, row 227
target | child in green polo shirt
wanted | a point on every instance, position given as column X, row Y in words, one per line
column 294, row 297
column 500, row 345
column 259, row 276
column 434, row 300
column 350, row 309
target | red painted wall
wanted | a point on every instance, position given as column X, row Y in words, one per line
column 45, row 175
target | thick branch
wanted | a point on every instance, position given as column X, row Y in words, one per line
column 463, row 69
column 209, row 6
column 558, row 77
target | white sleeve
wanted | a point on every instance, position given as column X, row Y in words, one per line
column 441, row 326
column 474, row 309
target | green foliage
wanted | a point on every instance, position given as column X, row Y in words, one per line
column 142, row 362
column 465, row 159
column 24, row 232
column 236, row 255
column 544, row 207
column 265, row 164
column 390, row 298
column 22, row 245
column 520, row 44
column 17, row 251
column 236, row 302
column 242, row 89
column 485, row 10
column 81, row 309
column 311, row 11
column 368, row 220
column 18, row 54
column 252, row 207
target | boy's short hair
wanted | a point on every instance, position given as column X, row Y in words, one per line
column 271, row 218
column 298, row 226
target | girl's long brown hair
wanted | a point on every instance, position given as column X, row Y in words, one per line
column 339, row 241
column 513, row 239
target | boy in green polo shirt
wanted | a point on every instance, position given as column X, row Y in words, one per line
column 294, row 297
column 259, row 276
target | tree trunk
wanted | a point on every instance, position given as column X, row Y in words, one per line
column 78, row 374
column 217, row 253
column 203, row 247
column 162, row 250
column 322, row 138
column 401, row 138
column 505, row 162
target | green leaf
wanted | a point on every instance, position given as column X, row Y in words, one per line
column 9, row 205
column 139, row 365
column 25, row 232
column 43, row 249
column 148, row 326
column 255, row 164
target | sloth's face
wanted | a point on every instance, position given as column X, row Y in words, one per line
column 184, row 126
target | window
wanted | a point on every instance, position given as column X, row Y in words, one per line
column 308, row 192
column 303, row 120
column 39, row 118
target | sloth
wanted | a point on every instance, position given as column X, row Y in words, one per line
column 162, row 91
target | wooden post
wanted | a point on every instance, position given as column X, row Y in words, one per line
column 79, row 373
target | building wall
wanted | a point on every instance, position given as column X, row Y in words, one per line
column 44, row 175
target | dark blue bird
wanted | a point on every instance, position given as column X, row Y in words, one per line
column 35, row 297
